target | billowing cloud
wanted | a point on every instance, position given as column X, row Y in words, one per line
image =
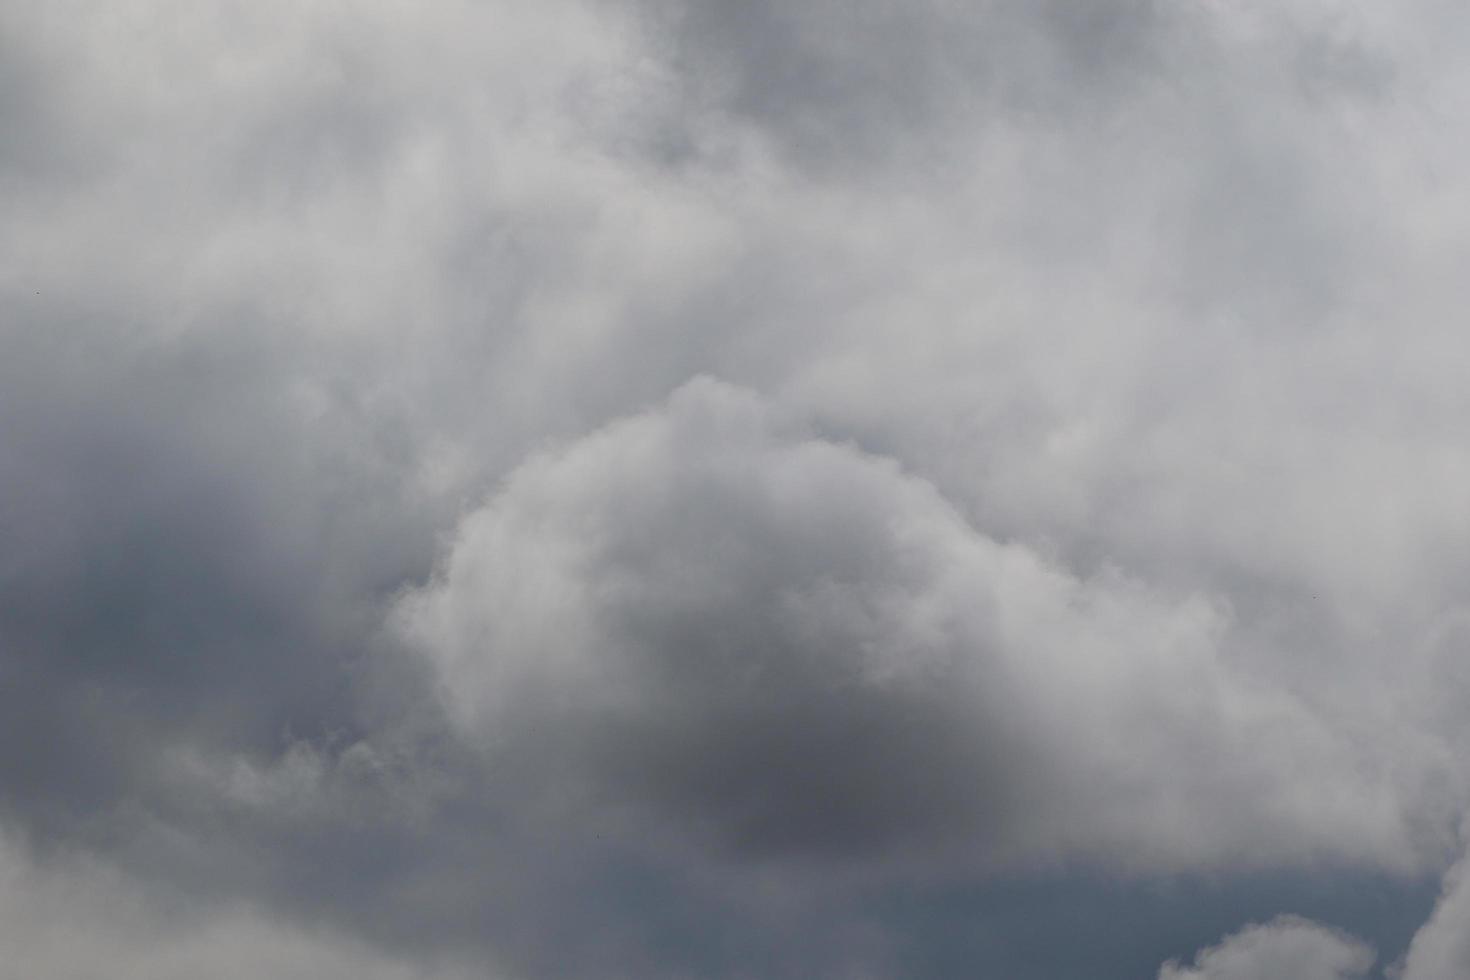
column 790, row 644
column 674, row 488
column 1295, row 947
column 1441, row 949
column 1285, row 947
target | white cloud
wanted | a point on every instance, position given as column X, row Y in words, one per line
column 1285, row 947
column 1441, row 949
column 1298, row 948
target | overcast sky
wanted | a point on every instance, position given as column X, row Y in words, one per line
column 703, row 489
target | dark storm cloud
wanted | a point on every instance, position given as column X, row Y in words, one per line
column 1083, row 490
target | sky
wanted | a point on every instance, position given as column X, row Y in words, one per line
column 698, row 490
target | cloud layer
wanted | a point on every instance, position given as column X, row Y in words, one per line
column 671, row 488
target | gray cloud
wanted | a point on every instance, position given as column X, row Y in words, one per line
column 797, row 646
column 1082, row 498
column 76, row 917
column 880, row 82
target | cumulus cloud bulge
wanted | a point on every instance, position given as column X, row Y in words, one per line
column 734, row 489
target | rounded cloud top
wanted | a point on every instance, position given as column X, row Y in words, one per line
column 779, row 643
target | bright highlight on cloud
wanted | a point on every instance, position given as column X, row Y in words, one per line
column 1285, row 947
column 671, row 488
